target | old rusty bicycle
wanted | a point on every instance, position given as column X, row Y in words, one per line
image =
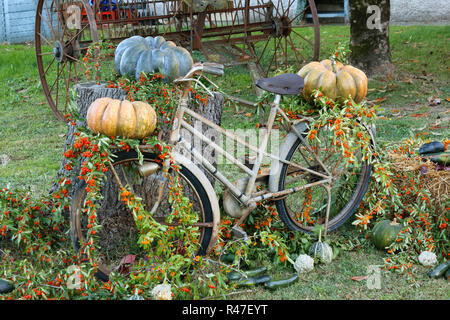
column 309, row 181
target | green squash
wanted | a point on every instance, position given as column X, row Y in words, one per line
column 442, row 159
column 137, row 54
column 275, row 284
column 431, row 147
column 384, row 233
column 253, row 281
column 439, row 270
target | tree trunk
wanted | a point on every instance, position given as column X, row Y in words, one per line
column 369, row 36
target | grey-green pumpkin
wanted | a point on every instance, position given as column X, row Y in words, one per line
column 321, row 250
column 137, row 54
column 201, row 5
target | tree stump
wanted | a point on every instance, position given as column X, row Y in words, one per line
column 117, row 226
column 213, row 112
column 86, row 94
column 89, row 92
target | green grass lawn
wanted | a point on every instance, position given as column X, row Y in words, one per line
column 32, row 139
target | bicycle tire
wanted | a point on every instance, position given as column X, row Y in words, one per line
column 122, row 157
column 337, row 220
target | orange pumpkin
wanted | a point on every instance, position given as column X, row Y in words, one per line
column 335, row 80
column 134, row 120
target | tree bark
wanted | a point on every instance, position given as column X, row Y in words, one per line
column 369, row 36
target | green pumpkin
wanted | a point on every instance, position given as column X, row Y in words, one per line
column 152, row 54
column 384, row 233
column 321, row 250
column 201, row 5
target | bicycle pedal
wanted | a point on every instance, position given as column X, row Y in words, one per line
column 238, row 233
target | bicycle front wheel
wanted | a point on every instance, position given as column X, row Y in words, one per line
column 304, row 209
column 118, row 235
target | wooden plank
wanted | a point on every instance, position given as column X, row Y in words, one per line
column 2, row 22
column 21, row 5
column 19, row 17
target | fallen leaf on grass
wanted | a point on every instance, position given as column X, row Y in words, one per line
column 4, row 159
column 408, row 80
column 419, row 115
column 420, row 129
column 359, row 278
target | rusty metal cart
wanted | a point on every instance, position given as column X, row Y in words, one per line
column 267, row 33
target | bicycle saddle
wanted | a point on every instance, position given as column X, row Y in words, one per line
column 287, row 83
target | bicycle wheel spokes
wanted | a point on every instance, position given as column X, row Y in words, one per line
column 304, row 209
column 119, row 235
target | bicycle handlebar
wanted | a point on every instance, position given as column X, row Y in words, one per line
column 200, row 67
column 213, row 68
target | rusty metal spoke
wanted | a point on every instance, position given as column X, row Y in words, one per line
column 299, row 14
column 294, row 49
column 49, row 65
column 308, row 41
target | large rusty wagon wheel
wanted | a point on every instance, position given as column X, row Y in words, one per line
column 61, row 38
column 294, row 38
column 271, row 33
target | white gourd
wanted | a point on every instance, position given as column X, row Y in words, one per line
column 304, row 263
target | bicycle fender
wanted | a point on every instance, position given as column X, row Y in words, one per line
column 200, row 175
column 285, row 146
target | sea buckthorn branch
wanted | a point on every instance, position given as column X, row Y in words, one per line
column 391, row 194
column 403, row 195
column 91, row 62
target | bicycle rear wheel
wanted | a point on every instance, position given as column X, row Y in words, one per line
column 304, row 209
column 118, row 236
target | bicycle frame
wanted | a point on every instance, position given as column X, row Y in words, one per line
column 247, row 198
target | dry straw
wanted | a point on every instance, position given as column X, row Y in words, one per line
column 435, row 178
